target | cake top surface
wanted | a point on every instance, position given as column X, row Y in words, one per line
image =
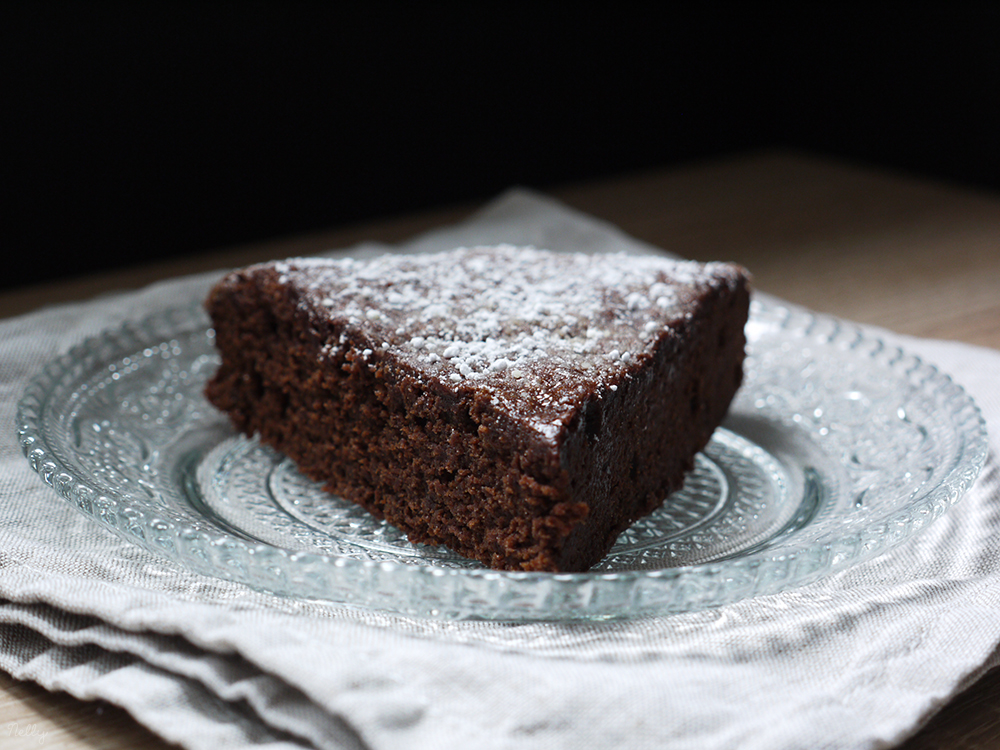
column 533, row 329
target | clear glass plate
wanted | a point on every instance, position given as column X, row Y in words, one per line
column 836, row 448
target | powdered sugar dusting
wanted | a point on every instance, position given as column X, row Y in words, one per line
column 488, row 316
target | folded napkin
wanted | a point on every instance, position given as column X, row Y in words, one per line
column 859, row 659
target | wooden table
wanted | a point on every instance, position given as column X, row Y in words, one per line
column 906, row 254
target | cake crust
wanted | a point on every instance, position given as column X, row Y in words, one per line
column 521, row 407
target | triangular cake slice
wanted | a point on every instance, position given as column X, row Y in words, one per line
column 520, row 406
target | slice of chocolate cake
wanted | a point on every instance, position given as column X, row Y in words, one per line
column 522, row 407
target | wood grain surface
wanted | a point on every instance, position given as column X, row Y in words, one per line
column 890, row 250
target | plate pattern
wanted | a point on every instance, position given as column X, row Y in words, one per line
column 837, row 448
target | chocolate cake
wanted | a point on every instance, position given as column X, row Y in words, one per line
column 520, row 406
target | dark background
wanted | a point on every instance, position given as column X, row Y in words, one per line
column 135, row 131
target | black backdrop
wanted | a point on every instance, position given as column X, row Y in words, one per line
column 135, row 131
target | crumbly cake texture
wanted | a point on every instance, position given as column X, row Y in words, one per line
column 520, row 406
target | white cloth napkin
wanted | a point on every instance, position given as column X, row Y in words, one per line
column 858, row 660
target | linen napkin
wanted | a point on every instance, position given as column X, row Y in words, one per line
column 860, row 659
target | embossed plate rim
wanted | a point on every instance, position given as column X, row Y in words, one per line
column 485, row 594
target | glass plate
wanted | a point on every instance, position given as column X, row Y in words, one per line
column 836, row 448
